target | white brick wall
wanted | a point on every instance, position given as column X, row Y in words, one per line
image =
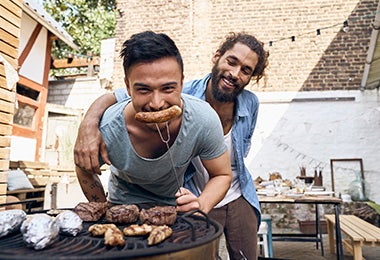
column 290, row 135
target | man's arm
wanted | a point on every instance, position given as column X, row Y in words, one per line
column 216, row 188
column 89, row 142
column 91, row 185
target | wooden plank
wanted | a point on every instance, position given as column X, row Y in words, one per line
column 5, row 152
column 3, row 188
column 12, row 6
column 5, row 141
column 6, row 118
column 75, row 62
column 9, row 50
column 36, row 172
column 12, row 61
column 9, row 38
column 3, row 176
column 4, row 165
column 5, row 129
column 9, row 27
column 14, row 192
column 368, row 231
column 17, row 3
column 3, row 82
column 39, row 181
column 10, row 17
column 7, row 107
column 2, row 70
column 6, row 94
column 3, row 199
column 33, row 164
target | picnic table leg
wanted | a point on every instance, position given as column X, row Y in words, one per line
column 330, row 232
column 338, row 235
column 357, row 248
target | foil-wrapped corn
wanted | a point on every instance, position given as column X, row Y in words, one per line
column 11, row 220
column 39, row 231
column 69, row 223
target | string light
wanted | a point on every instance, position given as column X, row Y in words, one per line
column 345, row 28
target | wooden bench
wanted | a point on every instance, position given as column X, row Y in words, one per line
column 36, row 196
column 357, row 233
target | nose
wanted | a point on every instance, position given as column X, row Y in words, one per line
column 156, row 102
column 234, row 72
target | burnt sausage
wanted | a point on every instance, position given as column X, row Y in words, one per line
column 159, row 116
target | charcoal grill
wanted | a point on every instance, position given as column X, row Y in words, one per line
column 195, row 236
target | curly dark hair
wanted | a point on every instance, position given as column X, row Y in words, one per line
column 254, row 44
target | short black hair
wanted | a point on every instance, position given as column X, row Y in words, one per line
column 148, row 46
column 254, row 44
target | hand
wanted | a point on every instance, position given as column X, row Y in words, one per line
column 88, row 144
column 186, row 200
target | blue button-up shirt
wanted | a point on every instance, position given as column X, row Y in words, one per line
column 247, row 107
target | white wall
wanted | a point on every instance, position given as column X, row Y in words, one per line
column 22, row 149
column 34, row 65
column 293, row 134
column 75, row 93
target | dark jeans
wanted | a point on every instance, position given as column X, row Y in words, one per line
column 239, row 221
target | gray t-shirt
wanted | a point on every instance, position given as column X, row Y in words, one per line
column 135, row 179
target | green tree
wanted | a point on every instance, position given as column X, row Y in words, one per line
column 87, row 21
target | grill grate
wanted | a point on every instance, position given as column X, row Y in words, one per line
column 189, row 231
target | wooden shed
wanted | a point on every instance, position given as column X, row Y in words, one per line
column 26, row 37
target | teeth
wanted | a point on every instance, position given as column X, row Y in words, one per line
column 228, row 82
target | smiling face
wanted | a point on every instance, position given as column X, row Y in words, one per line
column 232, row 72
column 155, row 85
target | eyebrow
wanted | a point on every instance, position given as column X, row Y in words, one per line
column 139, row 84
column 236, row 59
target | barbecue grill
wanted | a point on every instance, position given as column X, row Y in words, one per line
column 195, row 236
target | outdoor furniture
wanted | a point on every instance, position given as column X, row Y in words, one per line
column 30, row 198
column 266, row 218
column 358, row 232
column 263, row 238
column 317, row 237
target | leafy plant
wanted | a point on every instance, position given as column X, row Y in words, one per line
column 87, row 21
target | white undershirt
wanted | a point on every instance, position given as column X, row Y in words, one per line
column 201, row 177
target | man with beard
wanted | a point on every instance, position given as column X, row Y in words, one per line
column 240, row 58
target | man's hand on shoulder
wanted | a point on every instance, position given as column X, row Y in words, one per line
column 88, row 145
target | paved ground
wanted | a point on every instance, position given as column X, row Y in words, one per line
column 307, row 251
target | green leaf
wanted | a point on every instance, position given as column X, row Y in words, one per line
column 374, row 206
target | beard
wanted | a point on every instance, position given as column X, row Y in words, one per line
column 220, row 94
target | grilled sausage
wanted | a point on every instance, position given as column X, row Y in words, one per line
column 159, row 116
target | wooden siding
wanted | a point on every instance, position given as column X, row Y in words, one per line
column 10, row 20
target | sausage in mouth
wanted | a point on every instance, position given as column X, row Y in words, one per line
column 159, row 116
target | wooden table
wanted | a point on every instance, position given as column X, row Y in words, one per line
column 316, row 200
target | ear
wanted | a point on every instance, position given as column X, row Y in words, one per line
column 127, row 85
column 215, row 57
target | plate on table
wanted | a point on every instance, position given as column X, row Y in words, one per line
column 261, row 192
column 294, row 195
column 319, row 193
column 318, row 188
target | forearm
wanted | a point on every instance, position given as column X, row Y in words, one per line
column 96, row 110
column 91, row 186
column 220, row 173
column 89, row 142
column 214, row 191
